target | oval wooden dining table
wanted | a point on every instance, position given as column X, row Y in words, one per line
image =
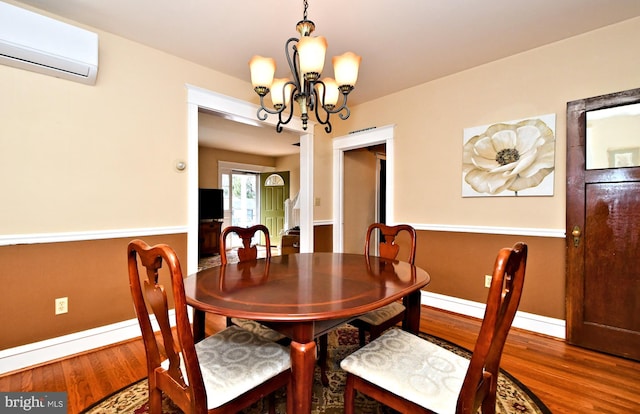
column 303, row 296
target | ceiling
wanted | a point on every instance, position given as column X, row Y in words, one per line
column 214, row 131
column 402, row 43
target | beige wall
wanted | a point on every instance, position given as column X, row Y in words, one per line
column 208, row 159
column 322, row 175
column 430, row 120
column 359, row 197
column 75, row 157
column 290, row 163
column 86, row 161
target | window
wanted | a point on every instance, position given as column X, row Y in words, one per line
column 274, row 180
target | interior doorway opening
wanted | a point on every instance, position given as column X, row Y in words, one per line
column 244, row 112
column 361, row 140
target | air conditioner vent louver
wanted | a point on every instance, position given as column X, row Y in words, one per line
column 40, row 44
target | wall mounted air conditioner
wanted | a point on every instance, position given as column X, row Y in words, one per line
column 41, row 44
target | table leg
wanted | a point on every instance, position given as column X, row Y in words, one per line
column 303, row 362
column 411, row 322
column 198, row 325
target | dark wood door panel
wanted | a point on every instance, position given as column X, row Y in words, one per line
column 612, row 175
column 603, row 241
column 609, row 340
column 611, row 279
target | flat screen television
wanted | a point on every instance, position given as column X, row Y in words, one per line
column 210, row 204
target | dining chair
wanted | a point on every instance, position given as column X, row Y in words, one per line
column 247, row 252
column 223, row 373
column 379, row 320
column 413, row 375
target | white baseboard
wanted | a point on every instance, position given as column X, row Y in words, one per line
column 529, row 321
column 51, row 349
column 38, row 352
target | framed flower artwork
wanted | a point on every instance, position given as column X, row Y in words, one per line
column 509, row 159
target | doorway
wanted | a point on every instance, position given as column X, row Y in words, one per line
column 254, row 194
column 363, row 194
column 365, row 139
column 244, row 112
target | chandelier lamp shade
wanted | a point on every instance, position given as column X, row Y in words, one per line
column 312, row 93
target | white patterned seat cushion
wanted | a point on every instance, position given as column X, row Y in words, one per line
column 258, row 329
column 411, row 367
column 378, row 316
column 234, row 361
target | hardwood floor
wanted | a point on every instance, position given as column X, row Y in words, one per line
column 566, row 378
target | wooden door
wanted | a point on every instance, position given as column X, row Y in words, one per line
column 603, row 232
column 274, row 190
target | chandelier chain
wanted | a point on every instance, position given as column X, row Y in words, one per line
column 306, row 5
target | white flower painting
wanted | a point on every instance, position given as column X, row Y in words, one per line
column 515, row 158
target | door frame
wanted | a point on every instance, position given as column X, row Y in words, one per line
column 229, row 167
column 241, row 111
column 382, row 135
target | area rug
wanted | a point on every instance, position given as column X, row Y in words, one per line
column 211, row 261
column 513, row 397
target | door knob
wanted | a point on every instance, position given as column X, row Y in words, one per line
column 576, row 233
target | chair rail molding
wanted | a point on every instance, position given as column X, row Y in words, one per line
column 35, row 238
column 510, row 231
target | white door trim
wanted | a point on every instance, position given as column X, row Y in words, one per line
column 245, row 112
column 382, row 135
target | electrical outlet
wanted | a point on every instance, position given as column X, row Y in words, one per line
column 62, row 305
column 487, row 281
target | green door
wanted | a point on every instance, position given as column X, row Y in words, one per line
column 274, row 190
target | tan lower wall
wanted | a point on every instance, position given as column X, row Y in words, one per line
column 323, row 238
column 92, row 274
column 457, row 263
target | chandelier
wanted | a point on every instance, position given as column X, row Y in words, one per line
column 306, row 61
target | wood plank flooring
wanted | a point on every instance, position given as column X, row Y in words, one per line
column 566, row 378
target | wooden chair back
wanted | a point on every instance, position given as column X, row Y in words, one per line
column 247, row 251
column 387, row 244
column 149, row 295
column 481, row 380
